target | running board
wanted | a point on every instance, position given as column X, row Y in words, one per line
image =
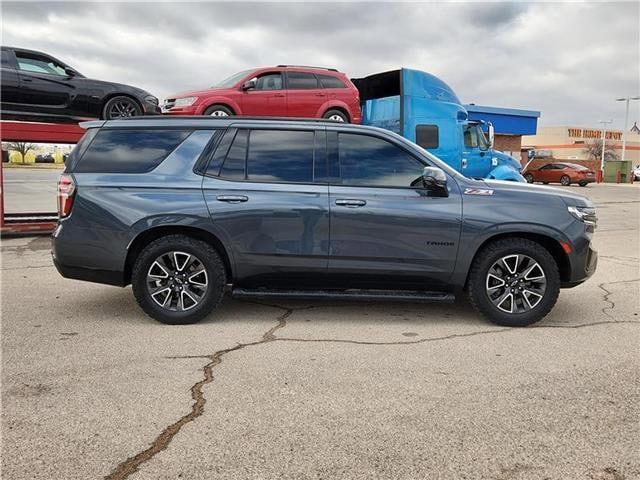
column 392, row 295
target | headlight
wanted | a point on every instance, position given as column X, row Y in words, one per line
column 151, row 99
column 185, row 102
column 584, row 214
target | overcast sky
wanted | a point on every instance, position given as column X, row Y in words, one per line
column 568, row 60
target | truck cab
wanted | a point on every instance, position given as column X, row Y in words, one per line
column 424, row 109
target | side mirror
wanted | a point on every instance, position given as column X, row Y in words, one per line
column 249, row 84
column 70, row 72
column 491, row 135
column 435, row 180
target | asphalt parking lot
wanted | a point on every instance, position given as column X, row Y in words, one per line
column 92, row 388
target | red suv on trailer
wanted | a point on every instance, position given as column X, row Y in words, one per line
column 283, row 91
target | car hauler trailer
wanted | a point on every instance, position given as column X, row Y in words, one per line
column 424, row 109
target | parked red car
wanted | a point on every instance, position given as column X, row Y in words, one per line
column 564, row 173
column 283, row 91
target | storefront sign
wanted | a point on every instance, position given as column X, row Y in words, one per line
column 590, row 133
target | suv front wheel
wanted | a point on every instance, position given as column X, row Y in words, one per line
column 178, row 280
column 514, row 282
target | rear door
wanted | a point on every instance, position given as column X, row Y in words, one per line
column 386, row 230
column 267, row 195
column 268, row 98
column 304, row 94
column 10, row 81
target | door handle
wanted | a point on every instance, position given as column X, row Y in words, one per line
column 27, row 79
column 351, row 203
column 279, row 95
column 232, row 198
column 319, row 94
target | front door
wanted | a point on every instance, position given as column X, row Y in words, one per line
column 45, row 87
column 267, row 98
column 268, row 198
column 386, row 230
column 304, row 94
column 476, row 156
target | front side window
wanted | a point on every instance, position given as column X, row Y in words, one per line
column 474, row 137
column 301, row 81
column 371, row 161
column 39, row 64
column 269, row 81
column 129, row 151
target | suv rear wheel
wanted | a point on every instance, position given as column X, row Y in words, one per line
column 178, row 280
column 514, row 282
column 336, row 116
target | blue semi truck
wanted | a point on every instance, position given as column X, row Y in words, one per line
column 422, row 108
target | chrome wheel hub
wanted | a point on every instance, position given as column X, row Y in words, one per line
column 516, row 283
column 177, row 281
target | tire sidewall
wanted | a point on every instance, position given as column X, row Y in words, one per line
column 213, row 108
column 331, row 112
column 529, row 178
column 209, row 259
column 482, row 301
column 105, row 110
column 568, row 181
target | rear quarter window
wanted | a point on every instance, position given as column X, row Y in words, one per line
column 129, row 151
column 327, row 81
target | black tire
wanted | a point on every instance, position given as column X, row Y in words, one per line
column 478, row 282
column 218, row 111
column 583, row 184
column 336, row 116
column 528, row 177
column 545, row 183
column 215, row 278
column 565, row 180
column 121, row 107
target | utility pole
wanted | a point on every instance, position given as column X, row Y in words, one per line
column 604, row 136
column 626, row 121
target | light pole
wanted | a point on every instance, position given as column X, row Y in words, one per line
column 626, row 121
column 604, row 136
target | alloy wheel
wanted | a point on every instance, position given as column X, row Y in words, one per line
column 219, row 113
column 336, row 118
column 122, row 109
column 516, row 283
column 177, row 281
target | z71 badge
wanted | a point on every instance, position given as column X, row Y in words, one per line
column 478, row 191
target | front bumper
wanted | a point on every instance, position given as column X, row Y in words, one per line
column 582, row 266
column 190, row 110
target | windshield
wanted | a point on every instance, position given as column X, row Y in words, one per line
column 232, row 80
column 474, row 137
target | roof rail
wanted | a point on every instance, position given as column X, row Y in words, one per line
column 310, row 66
column 228, row 118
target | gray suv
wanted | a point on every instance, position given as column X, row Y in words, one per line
column 184, row 208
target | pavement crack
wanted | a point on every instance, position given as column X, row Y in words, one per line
column 608, row 293
column 132, row 464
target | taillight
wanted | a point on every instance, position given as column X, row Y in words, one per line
column 66, row 192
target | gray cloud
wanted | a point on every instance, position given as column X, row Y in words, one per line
column 569, row 60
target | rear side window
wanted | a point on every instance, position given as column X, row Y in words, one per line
column 285, row 156
column 427, row 136
column 301, row 81
column 129, row 151
column 327, row 81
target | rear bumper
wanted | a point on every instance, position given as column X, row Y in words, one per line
column 108, row 277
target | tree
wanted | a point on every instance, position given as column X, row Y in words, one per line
column 593, row 150
column 22, row 147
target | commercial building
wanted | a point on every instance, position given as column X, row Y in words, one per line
column 582, row 145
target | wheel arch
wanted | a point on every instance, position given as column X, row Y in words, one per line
column 333, row 105
column 118, row 94
column 235, row 108
column 151, row 234
column 548, row 242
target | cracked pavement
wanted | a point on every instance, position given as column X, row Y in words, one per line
column 92, row 388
